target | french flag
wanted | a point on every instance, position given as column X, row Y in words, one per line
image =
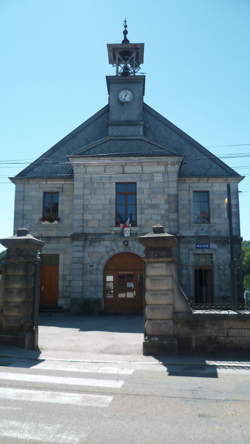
column 125, row 225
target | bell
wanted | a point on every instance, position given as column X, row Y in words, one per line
column 126, row 71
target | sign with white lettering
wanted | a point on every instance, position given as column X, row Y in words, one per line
column 202, row 245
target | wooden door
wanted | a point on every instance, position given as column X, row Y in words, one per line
column 49, row 279
column 123, row 289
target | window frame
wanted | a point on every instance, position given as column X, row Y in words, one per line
column 126, row 194
column 194, row 217
column 53, row 215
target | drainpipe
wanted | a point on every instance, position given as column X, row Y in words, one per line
column 230, row 224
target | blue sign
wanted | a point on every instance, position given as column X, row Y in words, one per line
column 202, row 245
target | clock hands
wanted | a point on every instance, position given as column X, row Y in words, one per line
column 125, row 95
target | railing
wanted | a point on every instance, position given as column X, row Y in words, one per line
column 220, row 305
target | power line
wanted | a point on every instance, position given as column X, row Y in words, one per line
column 3, row 164
column 224, row 146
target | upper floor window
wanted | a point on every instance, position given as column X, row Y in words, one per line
column 50, row 206
column 125, row 204
column 201, row 212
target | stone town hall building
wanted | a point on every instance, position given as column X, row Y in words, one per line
column 108, row 182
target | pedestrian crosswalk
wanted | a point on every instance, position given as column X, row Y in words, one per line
column 83, row 367
column 54, row 383
column 48, row 379
column 87, row 400
column 26, row 432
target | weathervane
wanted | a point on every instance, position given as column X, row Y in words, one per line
column 125, row 32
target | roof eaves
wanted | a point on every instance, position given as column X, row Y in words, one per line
column 17, row 179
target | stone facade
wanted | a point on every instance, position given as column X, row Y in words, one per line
column 123, row 143
column 86, row 236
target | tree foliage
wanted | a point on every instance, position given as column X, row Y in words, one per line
column 246, row 263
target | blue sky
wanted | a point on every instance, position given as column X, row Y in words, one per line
column 54, row 62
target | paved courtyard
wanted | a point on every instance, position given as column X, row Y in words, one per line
column 91, row 337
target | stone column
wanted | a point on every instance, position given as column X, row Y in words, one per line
column 20, row 290
column 161, row 292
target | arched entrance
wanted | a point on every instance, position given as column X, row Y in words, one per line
column 123, row 284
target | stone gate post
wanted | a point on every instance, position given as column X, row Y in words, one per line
column 19, row 319
column 162, row 296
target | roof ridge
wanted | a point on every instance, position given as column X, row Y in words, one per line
column 196, row 144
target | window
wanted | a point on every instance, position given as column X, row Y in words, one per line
column 201, row 213
column 126, row 286
column 109, row 286
column 50, row 206
column 126, row 204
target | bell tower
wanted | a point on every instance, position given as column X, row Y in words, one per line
column 126, row 87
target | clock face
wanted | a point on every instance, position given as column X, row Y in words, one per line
column 125, row 95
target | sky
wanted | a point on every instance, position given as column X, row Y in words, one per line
column 54, row 62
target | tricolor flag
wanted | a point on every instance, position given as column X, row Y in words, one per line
column 124, row 227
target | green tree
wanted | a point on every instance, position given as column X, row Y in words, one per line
column 246, row 263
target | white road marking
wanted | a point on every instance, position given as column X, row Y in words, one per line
column 55, row 433
column 55, row 397
column 80, row 367
column 233, row 371
column 28, row 377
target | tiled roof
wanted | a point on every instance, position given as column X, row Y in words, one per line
column 198, row 161
column 54, row 162
column 124, row 147
column 161, row 138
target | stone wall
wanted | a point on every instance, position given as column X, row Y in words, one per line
column 212, row 332
column 29, row 206
column 94, row 192
column 220, row 256
column 218, row 226
column 216, row 234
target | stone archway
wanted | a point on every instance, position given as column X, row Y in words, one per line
column 123, row 284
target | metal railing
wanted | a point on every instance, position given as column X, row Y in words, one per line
column 220, row 305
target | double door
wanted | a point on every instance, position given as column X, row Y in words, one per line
column 123, row 292
column 123, row 285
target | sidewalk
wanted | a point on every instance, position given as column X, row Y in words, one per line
column 86, row 338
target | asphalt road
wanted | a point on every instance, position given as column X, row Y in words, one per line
column 67, row 402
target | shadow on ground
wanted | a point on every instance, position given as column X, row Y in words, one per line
column 201, row 370
column 108, row 323
column 108, row 338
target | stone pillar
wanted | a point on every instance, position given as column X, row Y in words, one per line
column 161, row 292
column 20, row 290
